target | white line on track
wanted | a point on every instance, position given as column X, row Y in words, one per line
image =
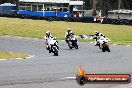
column 91, row 42
column 36, row 38
column 72, row 78
column 114, row 44
column 2, row 59
column 62, row 40
column 127, row 45
column 19, row 58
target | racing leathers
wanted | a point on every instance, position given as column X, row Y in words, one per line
column 49, row 41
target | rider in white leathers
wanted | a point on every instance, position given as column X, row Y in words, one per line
column 97, row 36
column 49, row 41
column 102, row 39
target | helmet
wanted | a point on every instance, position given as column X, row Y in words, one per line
column 48, row 33
column 70, row 32
column 101, row 34
column 68, row 29
column 96, row 32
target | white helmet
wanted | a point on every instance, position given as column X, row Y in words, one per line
column 48, row 33
column 70, row 32
column 68, row 28
column 96, row 32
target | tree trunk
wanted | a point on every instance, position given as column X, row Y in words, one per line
column 130, row 4
column 122, row 4
column 94, row 8
column 119, row 4
column 104, row 8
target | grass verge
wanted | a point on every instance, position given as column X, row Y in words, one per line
column 119, row 34
column 8, row 55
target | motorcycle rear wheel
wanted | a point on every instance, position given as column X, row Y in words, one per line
column 56, row 54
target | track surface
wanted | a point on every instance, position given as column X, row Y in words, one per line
column 48, row 71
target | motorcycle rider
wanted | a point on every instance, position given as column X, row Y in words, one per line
column 97, row 36
column 49, row 39
column 103, row 39
column 67, row 34
column 71, row 39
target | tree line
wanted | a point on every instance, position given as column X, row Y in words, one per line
column 106, row 5
column 8, row 1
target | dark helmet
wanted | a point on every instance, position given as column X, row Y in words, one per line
column 101, row 34
column 48, row 33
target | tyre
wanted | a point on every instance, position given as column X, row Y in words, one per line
column 103, row 49
column 76, row 46
column 55, row 53
column 107, row 48
column 70, row 47
column 81, row 80
column 51, row 19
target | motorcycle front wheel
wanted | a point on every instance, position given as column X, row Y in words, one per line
column 55, row 53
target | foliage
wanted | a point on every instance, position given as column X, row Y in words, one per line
column 106, row 5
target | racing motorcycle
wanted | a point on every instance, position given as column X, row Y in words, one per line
column 54, row 46
column 103, row 45
column 102, row 42
column 72, row 41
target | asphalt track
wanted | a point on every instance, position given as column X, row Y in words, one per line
column 48, row 71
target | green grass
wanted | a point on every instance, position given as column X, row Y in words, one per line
column 120, row 34
column 8, row 55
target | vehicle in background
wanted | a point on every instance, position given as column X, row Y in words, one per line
column 62, row 10
column 50, row 8
column 8, row 9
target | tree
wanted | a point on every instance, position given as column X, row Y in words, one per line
column 94, row 7
column 8, row 1
column 119, row 4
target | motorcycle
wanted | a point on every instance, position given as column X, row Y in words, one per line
column 54, row 48
column 103, row 45
column 72, row 42
column 102, row 42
